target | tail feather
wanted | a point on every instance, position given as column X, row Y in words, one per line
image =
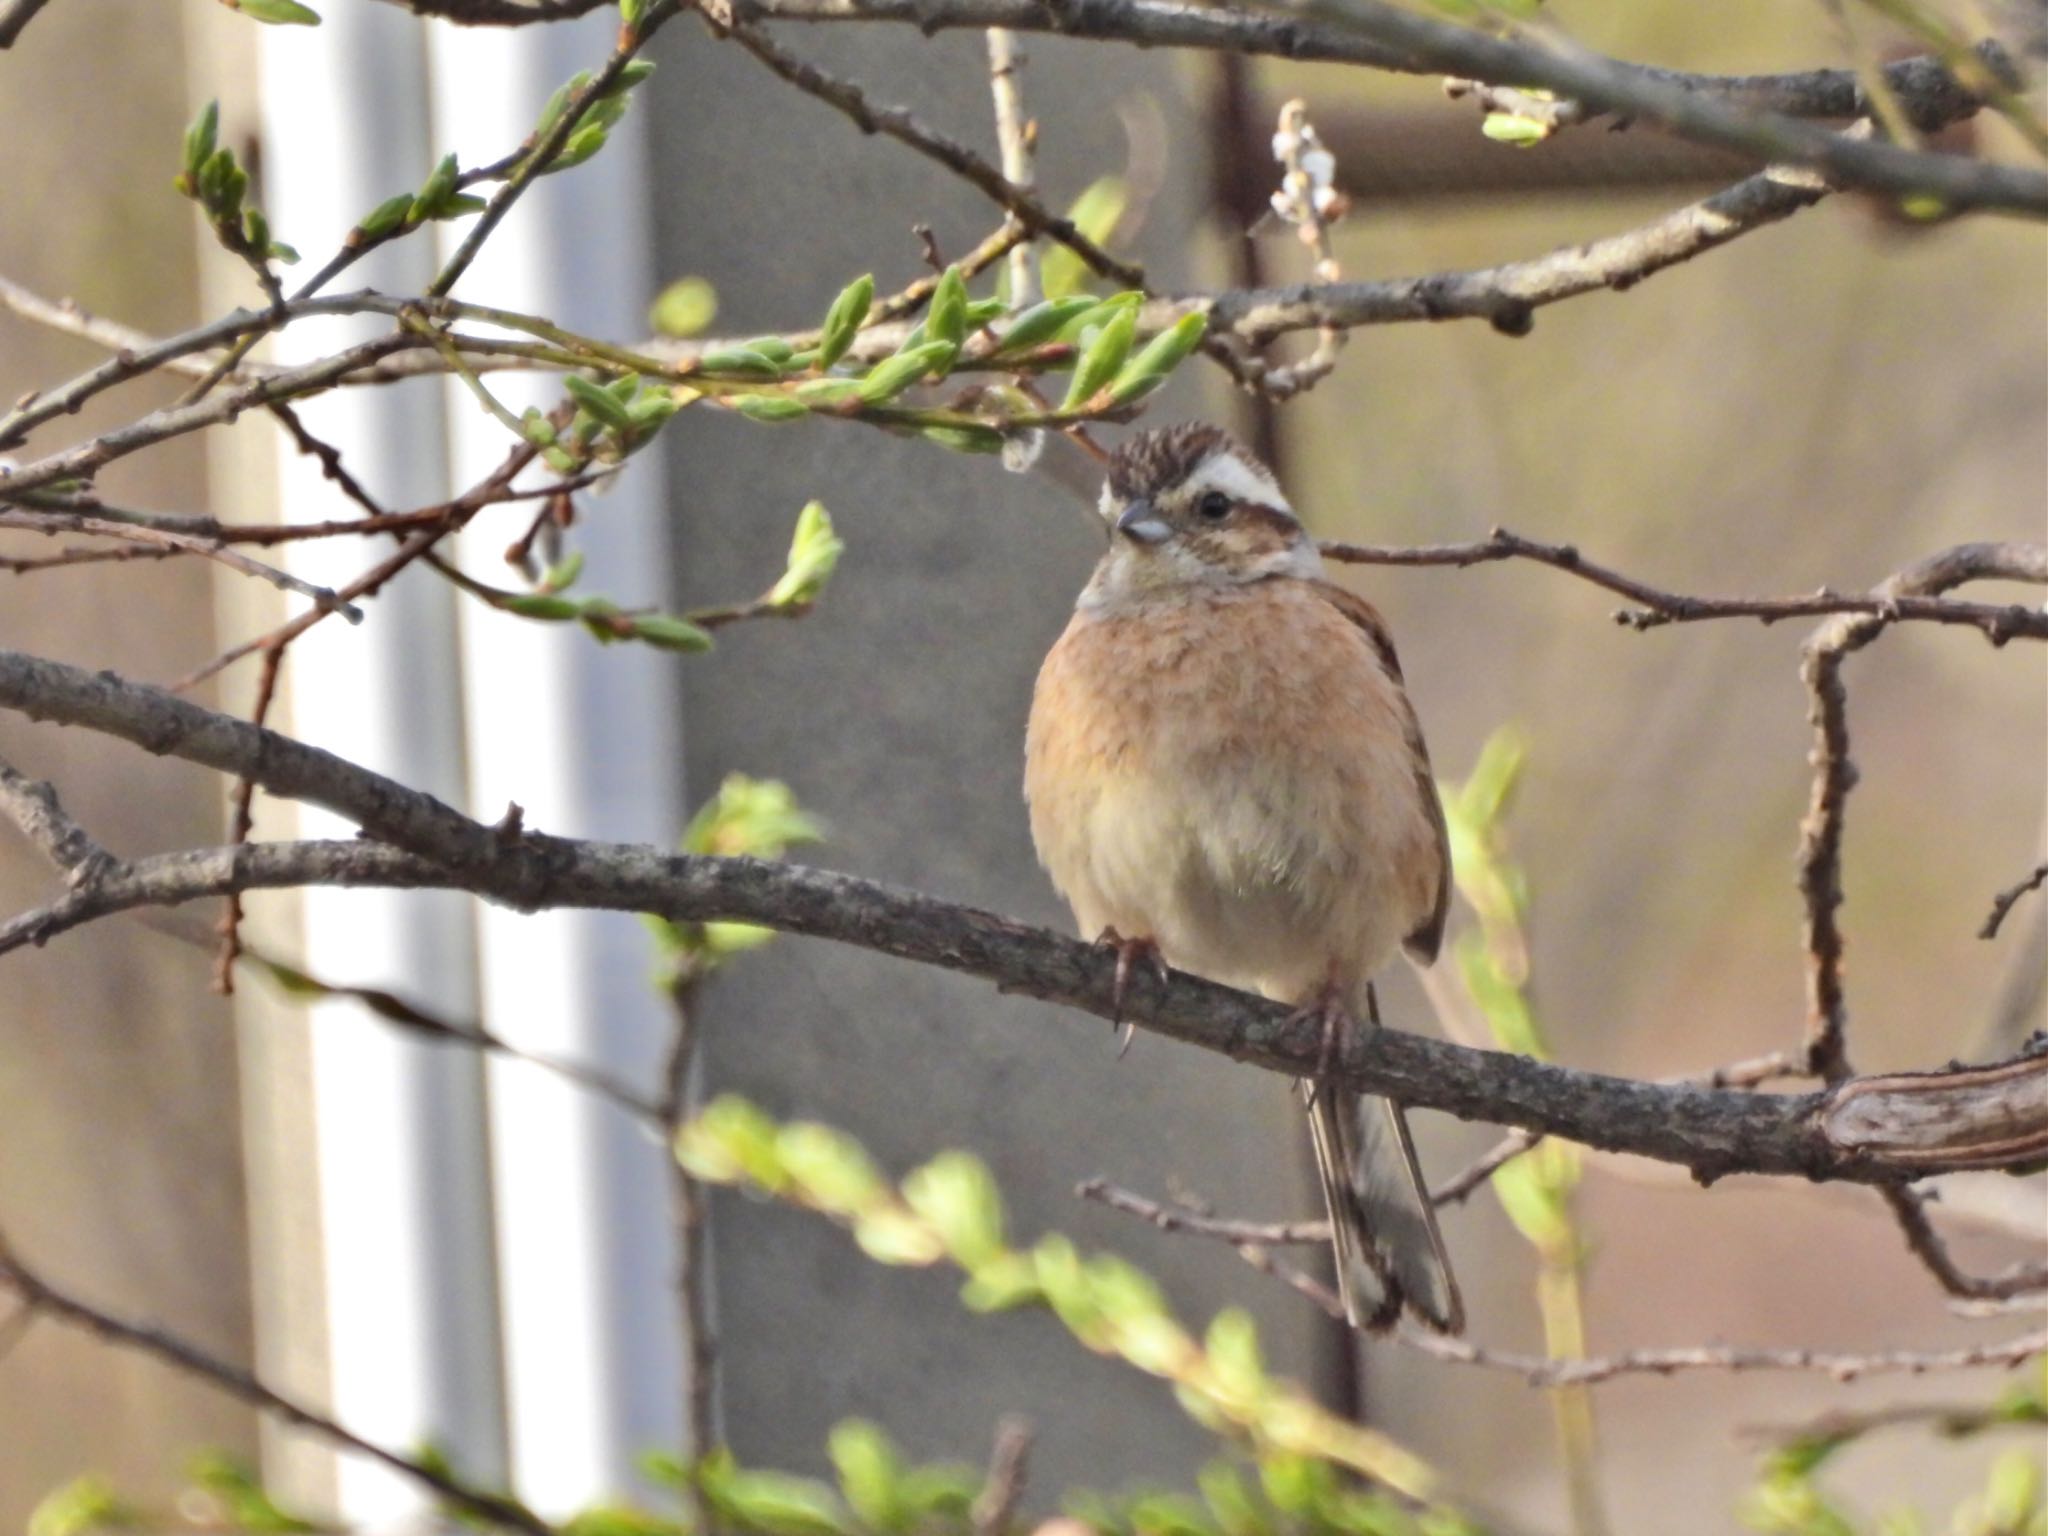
column 1388, row 1249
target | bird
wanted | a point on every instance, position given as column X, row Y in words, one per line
column 1224, row 775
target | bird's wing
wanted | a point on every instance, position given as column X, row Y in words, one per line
column 1427, row 937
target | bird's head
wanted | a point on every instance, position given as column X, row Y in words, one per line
column 1186, row 505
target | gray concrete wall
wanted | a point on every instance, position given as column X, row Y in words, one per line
column 897, row 710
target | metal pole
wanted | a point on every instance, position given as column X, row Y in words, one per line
column 586, row 739
column 402, row 1172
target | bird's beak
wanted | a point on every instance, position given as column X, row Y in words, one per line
column 1141, row 523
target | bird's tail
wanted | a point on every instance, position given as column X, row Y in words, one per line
column 1389, row 1252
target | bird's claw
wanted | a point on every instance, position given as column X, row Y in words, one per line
column 1332, row 1018
column 1130, row 953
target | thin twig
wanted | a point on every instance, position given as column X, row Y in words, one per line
column 544, row 153
column 1016, row 136
column 1542, row 1370
column 32, row 519
column 45, row 1297
column 2008, row 897
column 241, row 819
column 689, row 1218
column 995, row 1507
column 1910, row 1208
column 1999, row 621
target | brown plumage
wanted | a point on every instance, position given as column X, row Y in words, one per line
column 1222, row 762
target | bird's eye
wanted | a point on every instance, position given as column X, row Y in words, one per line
column 1214, row 505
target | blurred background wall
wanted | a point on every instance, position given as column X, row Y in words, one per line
column 1820, row 402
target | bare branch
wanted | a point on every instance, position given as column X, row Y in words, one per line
column 1016, row 136
column 1713, row 1133
column 52, row 521
column 500, row 13
column 544, row 153
column 1820, row 833
column 2008, row 897
column 42, row 1296
column 1843, row 1365
column 904, row 127
column 1606, row 86
column 1008, row 1462
column 33, row 807
column 1910, row 1209
column 14, row 15
column 2000, row 622
column 1929, row 92
column 1251, row 1239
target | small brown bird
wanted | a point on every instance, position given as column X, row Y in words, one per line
column 1225, row 773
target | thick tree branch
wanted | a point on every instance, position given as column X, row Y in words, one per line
column 1602, row 84
column 1928, row 92
column 1712, row 1133
column 500, row 13
column 14, row 15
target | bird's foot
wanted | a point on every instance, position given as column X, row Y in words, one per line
column 1331, row 1015
column 1130, row 954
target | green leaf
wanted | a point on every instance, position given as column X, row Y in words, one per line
column 1067, row 1290
column 777, row 1504
column 668, row 633
column 619, row 1520
column 770, row 408
column 1232, row 1345
column 829, row 1168
column 890, row 377
column 602, row 404
column 957, row 1195
column 941, row 1493
column 757, row 818
column 277, row 13
column 539, row 605
column 1157, row 359
column 435, row 190
column 890, row 1235
column 1096, row 214
column 1105, row 355
column 684, row 308
column 843, row 321
column 582, row 144
column 1295, row 1484
column 826, row 393
column 562, row 576
column 201, row 138
column 80, row 1507
column 814, row 552
column 964, row 439
column 385, row 217
column 1511, row 128
column 1041, row 323
column 739, row 360
column 632, row 74
column 870, row 1473
column 1008, row 1282
column 946, row 317
column 1230, row 1498
column 731, row 1140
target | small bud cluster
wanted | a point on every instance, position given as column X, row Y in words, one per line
column 1308, row 197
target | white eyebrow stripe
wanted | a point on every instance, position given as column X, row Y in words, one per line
column 1231, row 475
